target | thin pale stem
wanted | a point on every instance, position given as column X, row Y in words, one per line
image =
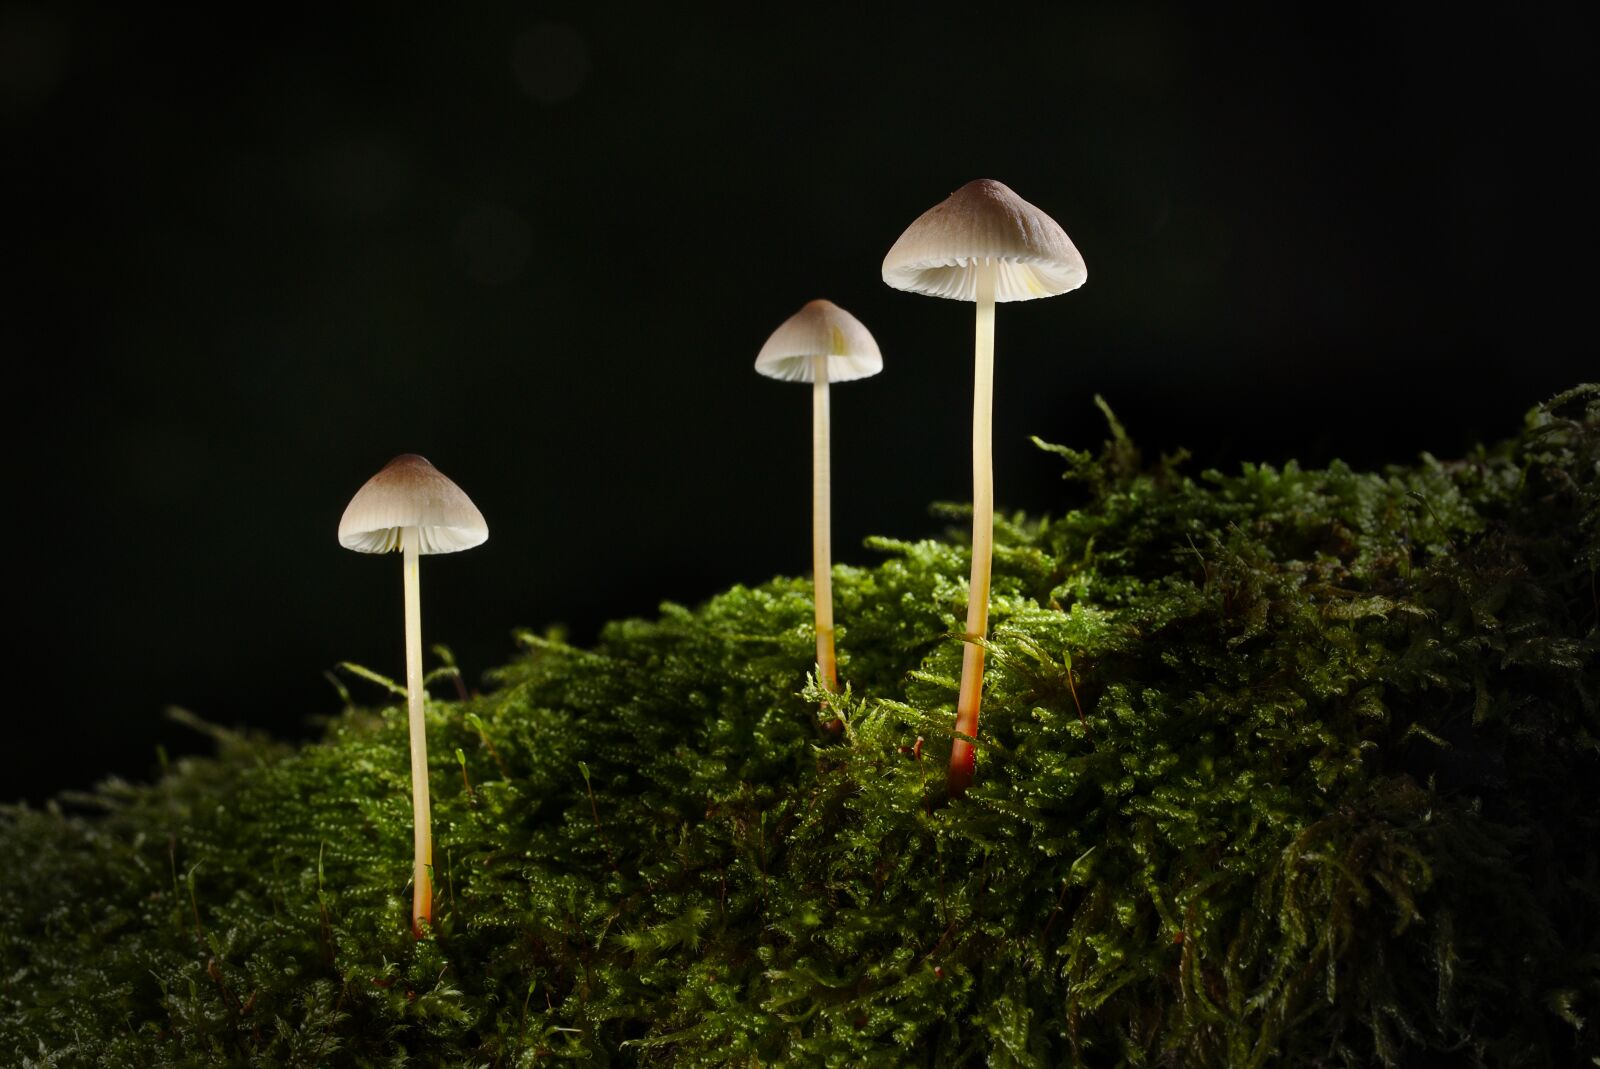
column 422, row 821
column 821, row 538
column 963, row 761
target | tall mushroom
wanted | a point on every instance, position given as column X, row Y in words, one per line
column 412, row 507
column 819, row 344
column 985, row 244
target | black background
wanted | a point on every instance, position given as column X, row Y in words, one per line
column 255, row 258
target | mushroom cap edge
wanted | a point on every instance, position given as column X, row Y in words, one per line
column 984, row 220
column 410, row 492
column 820, row 328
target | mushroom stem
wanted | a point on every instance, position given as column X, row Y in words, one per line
column 963, row 761
column 422, row 832
column 821, row 539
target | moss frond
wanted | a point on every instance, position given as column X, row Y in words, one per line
column 1277, row 768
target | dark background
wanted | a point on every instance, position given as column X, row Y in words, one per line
column 542, row 245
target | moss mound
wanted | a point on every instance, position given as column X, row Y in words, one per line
column 1280, row 768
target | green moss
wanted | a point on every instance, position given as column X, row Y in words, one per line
column 1279, row 768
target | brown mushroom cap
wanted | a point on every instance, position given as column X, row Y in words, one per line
column 410, row 492
column 821, row 328
column 985, row 220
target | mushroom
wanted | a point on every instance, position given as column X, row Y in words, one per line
column 819, row 344
column 412, row 507
column 985, row 244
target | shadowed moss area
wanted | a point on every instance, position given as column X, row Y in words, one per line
column 1277, row 768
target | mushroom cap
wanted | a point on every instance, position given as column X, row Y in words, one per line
column 984, row 220
column 410, row 492
column 821, row 328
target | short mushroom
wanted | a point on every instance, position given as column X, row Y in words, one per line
column 819, row 344
column 985, row 244
column 412, row 507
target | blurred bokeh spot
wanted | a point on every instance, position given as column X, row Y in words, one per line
column 33, row 54
column 493, row 243
column 550, row 62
